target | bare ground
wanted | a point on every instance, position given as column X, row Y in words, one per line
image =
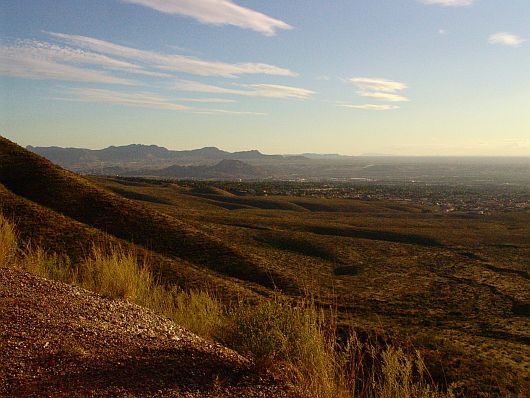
column 58, row 340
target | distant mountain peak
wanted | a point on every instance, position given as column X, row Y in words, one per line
column 140, row 155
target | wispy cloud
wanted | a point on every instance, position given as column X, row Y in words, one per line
column 39, row 60
column 217, row 12
column 371, row 107
column 226, row 112
column 208, row 100
column 144, row 100
column 137, row 99
column 382, row 89
column 174, row 63
column 376, row 84
column 449, row 3
column 249, row 90
column 383, row 96
column 507, row 39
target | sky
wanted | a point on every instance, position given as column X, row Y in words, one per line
column 401, row 77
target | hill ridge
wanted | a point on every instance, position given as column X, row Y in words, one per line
column 33, row 177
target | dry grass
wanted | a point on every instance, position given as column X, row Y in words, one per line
column 48, row 265
column 8, row 241
column 302, row 339
column 115, row 273
column 198, row 311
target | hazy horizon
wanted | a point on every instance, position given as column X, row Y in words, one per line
column 284, row 154
column 400, row 78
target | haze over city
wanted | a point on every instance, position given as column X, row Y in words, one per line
column 407, row 77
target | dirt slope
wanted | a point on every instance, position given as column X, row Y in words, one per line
column 62, row 341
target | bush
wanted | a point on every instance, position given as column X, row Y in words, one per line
column 265, row 332
column 293, row 337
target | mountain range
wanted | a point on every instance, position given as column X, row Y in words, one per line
column 69, row 157
column 225, row 169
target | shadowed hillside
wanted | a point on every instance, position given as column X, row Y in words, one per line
column 38, row 180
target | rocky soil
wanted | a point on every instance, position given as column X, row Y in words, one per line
column 58, row 340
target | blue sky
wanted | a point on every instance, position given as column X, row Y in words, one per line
column 406, row 77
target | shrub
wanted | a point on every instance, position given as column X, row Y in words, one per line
column 258, row 332
column 274, row 331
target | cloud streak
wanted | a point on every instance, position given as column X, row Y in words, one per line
column 383, row 96
column 376, row 84
column 172, row 63
column 43, row 61
column 217, row 12
column 141, row 100
column 371, row 107
column 449, row 3
column 381, row 89
column 208, row 100
column 506, row 39
column 248, row 90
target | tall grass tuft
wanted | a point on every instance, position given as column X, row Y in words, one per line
column 8, row 241
column 404, row 375
column 198, row 311
column 48, row 265
column 289, row 336
column 115, row 273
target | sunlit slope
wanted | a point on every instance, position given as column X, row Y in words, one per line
column 38, row 180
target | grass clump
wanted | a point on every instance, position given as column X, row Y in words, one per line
column 8, row 241
column 282, row 335
column 265, row 332
column 48, row 265
column 115, row 273
column 198, row 311
column 404, row 375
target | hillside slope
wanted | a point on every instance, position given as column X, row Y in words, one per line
column 40, row 181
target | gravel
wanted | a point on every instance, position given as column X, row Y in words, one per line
column 58, row 340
